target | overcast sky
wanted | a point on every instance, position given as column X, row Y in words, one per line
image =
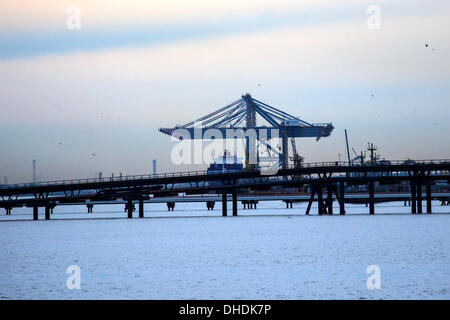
column 135, row 66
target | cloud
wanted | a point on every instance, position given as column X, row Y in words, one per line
column 48, row 14
column 133, row 83
column 42, row 29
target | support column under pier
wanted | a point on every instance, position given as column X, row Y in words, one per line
column 311, row 199
column 35, row 213
column 330, row 199
column 141, row 208
column 428, row 187
column 224, row 204
column 419, row 197
column 235, row 209
column 47, row 212
column 342, row 198
column 320, row 200
column 130, row 209
column 413, row 198
column 289, row 203
column 371, row 198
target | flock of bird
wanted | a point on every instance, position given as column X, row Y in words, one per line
column 93, row 154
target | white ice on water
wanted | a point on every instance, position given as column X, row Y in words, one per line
column 268, row 253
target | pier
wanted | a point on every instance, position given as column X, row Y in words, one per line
column 326, row 182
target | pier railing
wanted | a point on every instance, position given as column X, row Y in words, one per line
column 341, row 164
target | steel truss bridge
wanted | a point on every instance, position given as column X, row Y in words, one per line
column 325, row 180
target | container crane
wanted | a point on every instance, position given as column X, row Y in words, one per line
column 242, row 114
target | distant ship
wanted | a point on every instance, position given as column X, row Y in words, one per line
column 226, row 163
column 223, row 164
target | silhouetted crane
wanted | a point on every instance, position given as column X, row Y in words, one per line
column 242, row 114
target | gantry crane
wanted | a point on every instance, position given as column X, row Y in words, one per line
column 242, row 114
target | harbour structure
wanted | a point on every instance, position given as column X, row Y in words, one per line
column 248, row 115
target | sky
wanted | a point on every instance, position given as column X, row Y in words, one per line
column 91, row 99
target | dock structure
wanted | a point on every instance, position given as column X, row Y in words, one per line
column 257, row 122
column 326, row 181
